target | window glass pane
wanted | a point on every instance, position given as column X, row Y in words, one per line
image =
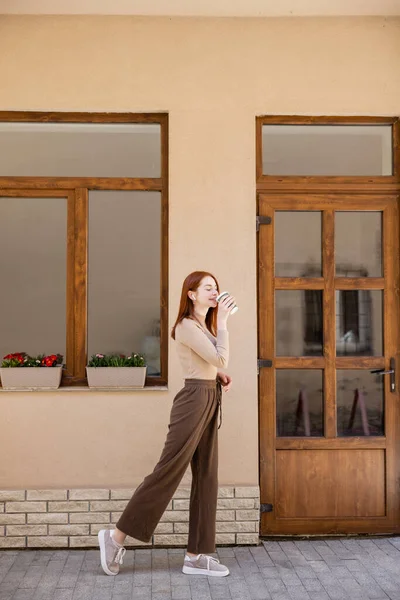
column 298, row 243
column 360, row 403
column 299, row 322
column 299, row 402
column 358, row 243
column 124, row 274
column 80, row 149
column 359, row 323
column 33, row 270
column 327, row 150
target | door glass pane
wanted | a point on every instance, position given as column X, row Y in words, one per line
column 299, row 403
column 359, row 323
column 33, row 268
column 327, row 150
column 360, row 403
column 299, row 322
column 124, row 274
column 80, row 149
column 298, row 244
column 358, row 243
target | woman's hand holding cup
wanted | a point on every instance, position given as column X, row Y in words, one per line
column 226, row 306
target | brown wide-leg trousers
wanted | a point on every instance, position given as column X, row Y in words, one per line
column 191, row 438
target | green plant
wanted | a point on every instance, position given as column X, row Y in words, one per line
column 22, row 359
column 117, row 360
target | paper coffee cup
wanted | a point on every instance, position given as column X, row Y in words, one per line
column 222, row 295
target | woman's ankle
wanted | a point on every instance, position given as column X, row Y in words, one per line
column 119, row 536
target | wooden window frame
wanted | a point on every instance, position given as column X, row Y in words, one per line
column 317, row 183
column 76, row 190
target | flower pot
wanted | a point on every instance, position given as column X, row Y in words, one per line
column 31, row 378
column 123, row 378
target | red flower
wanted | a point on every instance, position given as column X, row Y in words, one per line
column 22, row 358
column 19, row 356
column 49, row 361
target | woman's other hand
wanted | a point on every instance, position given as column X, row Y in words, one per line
column 226, row 381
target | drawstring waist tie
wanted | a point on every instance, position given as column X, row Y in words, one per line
column 212, row 384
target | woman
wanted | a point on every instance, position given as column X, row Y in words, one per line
column 201, row 334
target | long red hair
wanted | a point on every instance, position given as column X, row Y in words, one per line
column 186, row 308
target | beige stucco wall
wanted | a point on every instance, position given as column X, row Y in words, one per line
column 213, row 77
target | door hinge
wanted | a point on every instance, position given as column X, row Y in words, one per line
column 266, row 508
column 262, row 221
column 261, row 364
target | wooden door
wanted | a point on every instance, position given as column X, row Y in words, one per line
column 328, row 318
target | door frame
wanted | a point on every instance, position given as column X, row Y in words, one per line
column 300, row 185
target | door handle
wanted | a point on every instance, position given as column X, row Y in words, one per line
column 391, row 372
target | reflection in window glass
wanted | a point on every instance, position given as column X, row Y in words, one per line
column 80, row 149
column 358, row 243
column 301, row 257
column 298, row 323
column 33, row 267
column 359, row 403
column 124, row 274
column 359, row 323
column 327, row 150
column 299, row 403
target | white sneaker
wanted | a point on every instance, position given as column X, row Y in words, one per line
column 111, row 553
column 204, row 565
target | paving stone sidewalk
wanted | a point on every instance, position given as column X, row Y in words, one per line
column 330, row 569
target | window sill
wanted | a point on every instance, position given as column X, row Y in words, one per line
column 69, row 389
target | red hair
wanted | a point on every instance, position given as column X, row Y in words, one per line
column 186, row 308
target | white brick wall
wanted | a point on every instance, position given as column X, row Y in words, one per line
column 72, row 518
column 58, row 518
column 12, row 496
column 46, row 494
column 7, row 519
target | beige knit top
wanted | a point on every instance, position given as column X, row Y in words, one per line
column 201, row 354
